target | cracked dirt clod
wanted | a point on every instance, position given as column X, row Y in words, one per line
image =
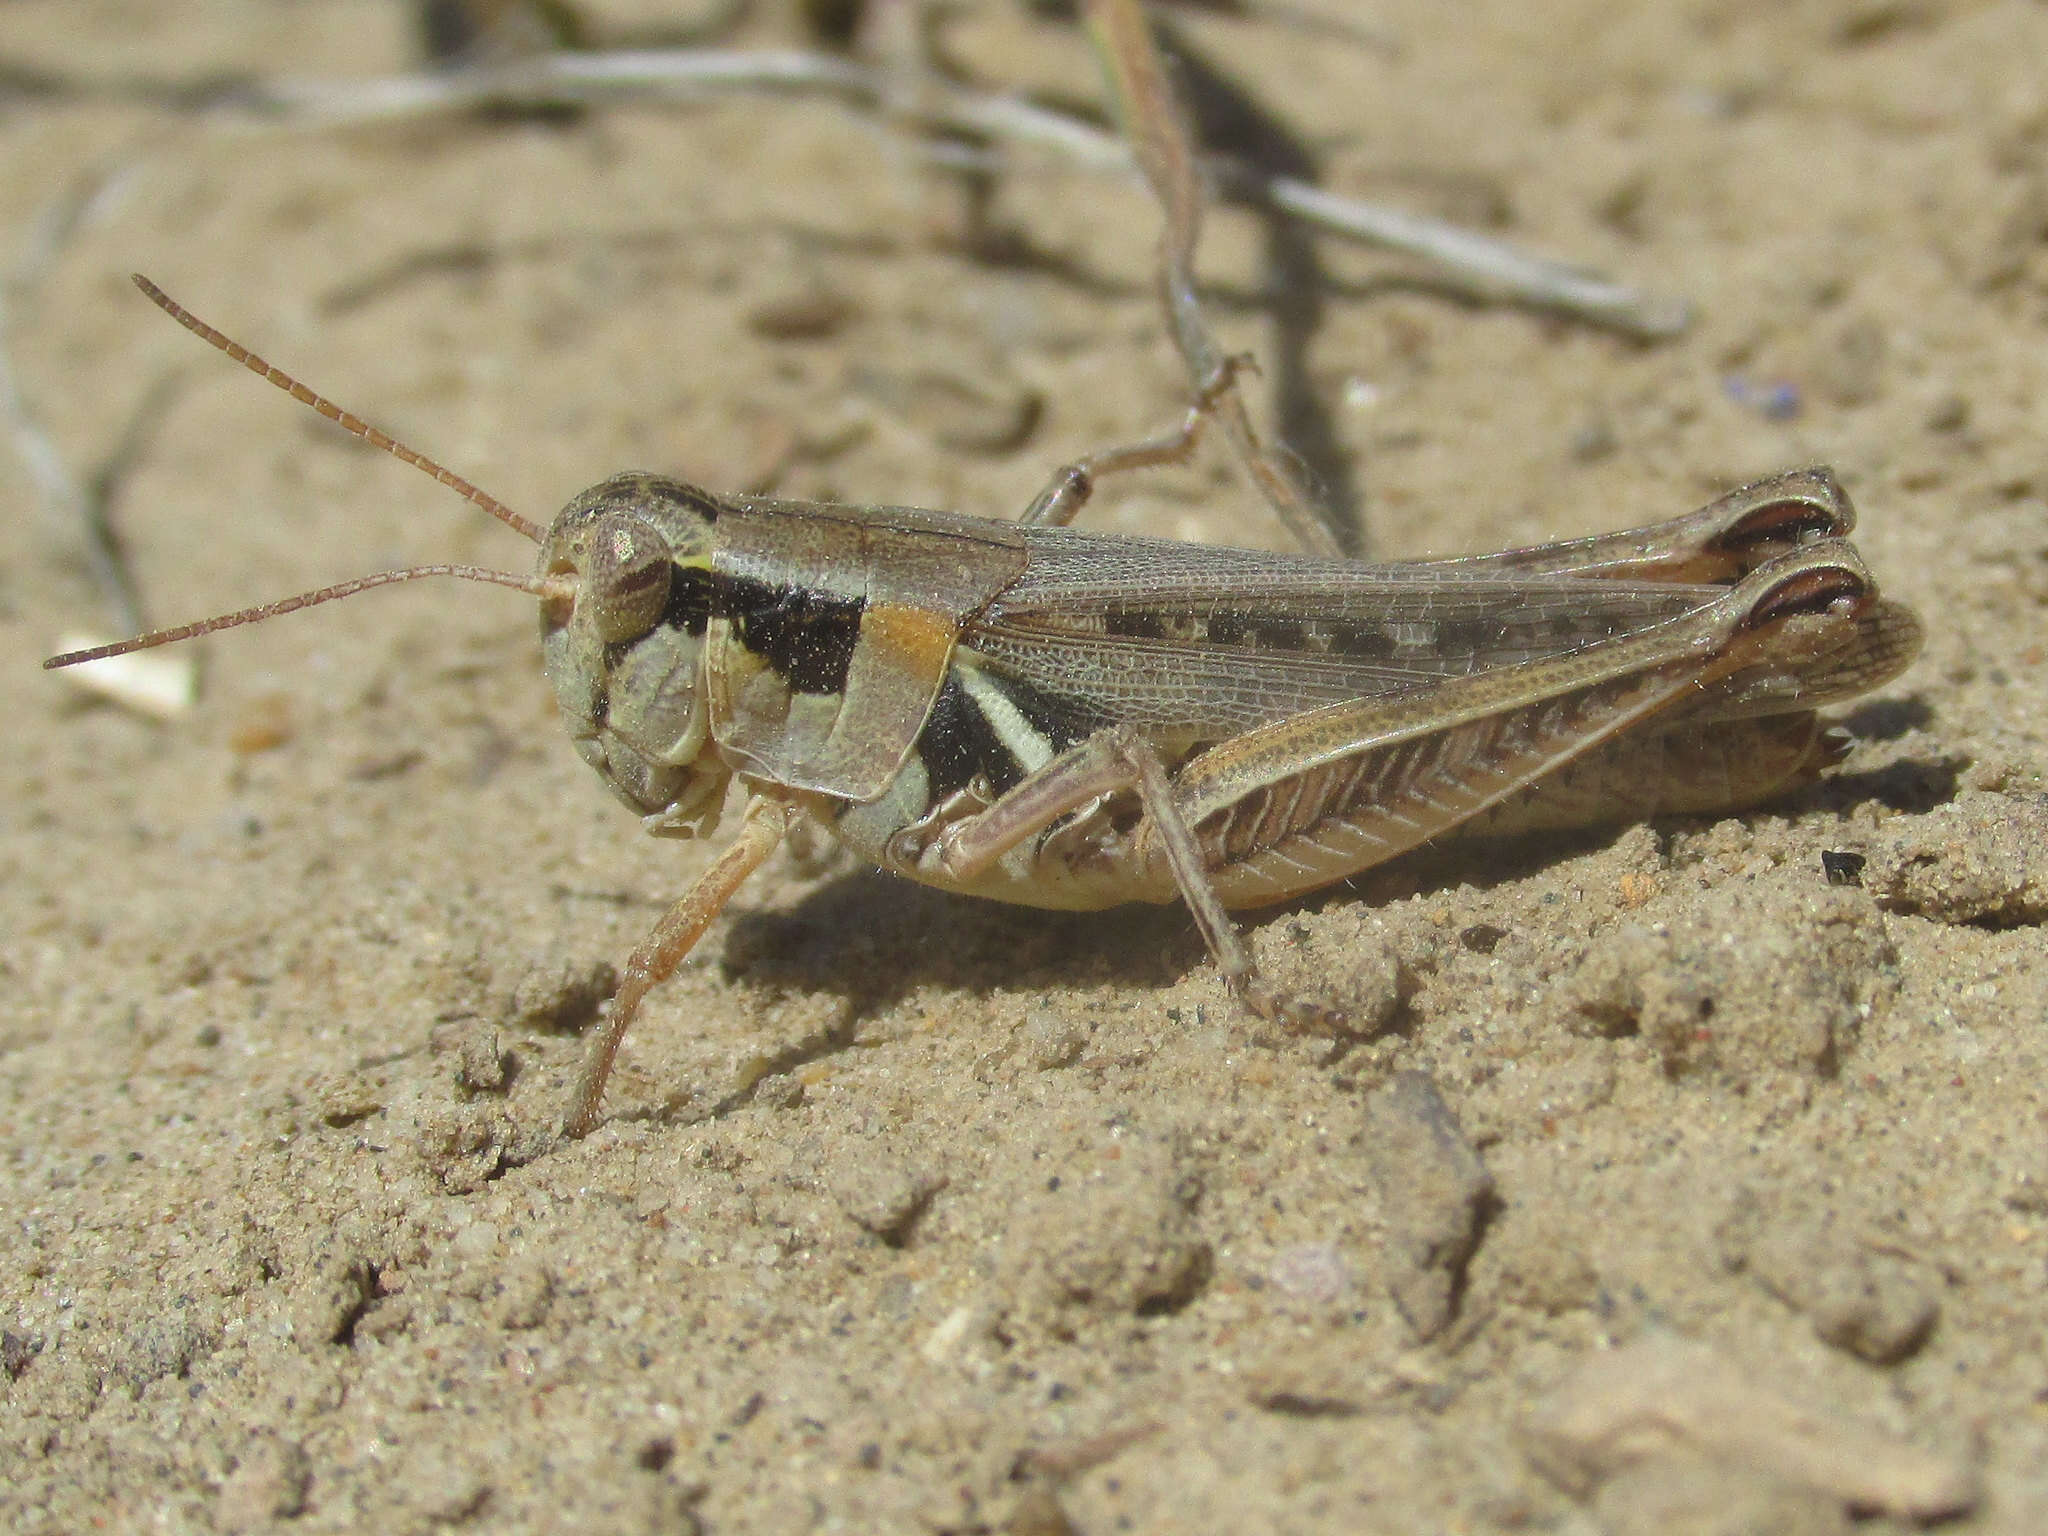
column 1436, row 1194
column 1664, row 1395
column 482, row 1064
column 1361, row 975
column 1701, row 1496
column 1113, row 1235
column 556, row 992
column 1975, row 860
column 883, row 1195
column 1775, row 972
column 332, row 1299
column 1875, row 1305
column 466, row 1146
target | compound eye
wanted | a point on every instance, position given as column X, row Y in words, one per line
column 626, row 586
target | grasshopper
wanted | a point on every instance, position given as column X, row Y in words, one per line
column 1025, row 712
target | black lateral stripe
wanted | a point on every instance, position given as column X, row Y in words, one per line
column 689, row 599
column 960, row 743
column 957, row 742
column 807, row 636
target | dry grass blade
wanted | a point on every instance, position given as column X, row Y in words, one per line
column 1160, row 142
column 1460, row 259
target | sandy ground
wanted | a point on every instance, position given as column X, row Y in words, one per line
column 914, row 1214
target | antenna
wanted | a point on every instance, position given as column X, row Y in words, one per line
column 539, row 586
column 348, row 421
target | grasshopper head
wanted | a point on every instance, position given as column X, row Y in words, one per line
column 622, row 644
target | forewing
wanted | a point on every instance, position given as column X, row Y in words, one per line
column 1202, row 642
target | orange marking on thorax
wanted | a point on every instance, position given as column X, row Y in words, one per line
column 914, row 639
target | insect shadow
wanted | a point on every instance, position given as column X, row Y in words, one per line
column 1889, row 719
column 1910, row 785
column 874, row 940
